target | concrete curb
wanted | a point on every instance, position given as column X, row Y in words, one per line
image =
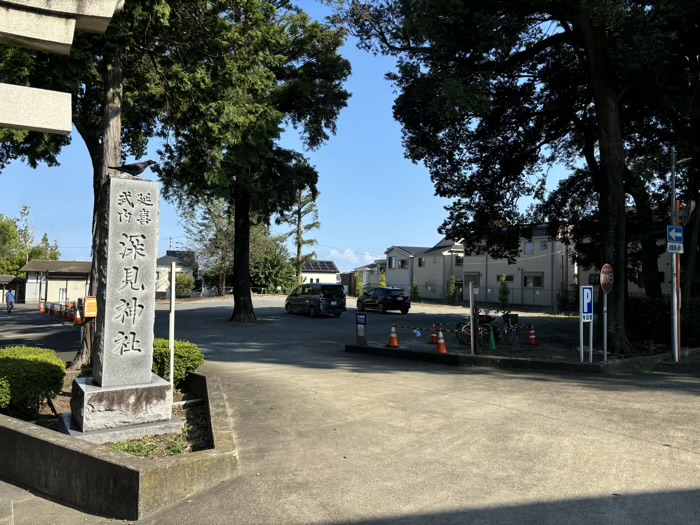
column 617, row 366
column 112, row 483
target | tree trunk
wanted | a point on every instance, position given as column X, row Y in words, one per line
column 242, row 300
column 300, row 243
column 612, row 164
column 110, row 155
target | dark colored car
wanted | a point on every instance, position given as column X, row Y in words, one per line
column 317, row 299
column 383, row 299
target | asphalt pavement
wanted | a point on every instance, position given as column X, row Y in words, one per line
column 328, row 437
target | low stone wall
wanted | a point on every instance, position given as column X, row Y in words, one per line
column 617, row 366
column 111, row 483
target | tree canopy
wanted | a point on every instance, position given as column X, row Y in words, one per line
column 493, row 94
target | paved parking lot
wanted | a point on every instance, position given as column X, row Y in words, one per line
column 329, row 437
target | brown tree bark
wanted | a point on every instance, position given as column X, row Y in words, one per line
column 242, row 300
column 650, row 258
column 109, row 154
column 612, row 167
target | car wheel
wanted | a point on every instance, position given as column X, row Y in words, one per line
column 312, row 311
column 360, row 306
column 380, row 308
column 404, row 311
column 289, row 308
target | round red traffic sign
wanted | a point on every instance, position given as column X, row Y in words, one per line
column 606, row 278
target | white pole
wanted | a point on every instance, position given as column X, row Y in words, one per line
column 171, row 334
column 605, row 328
column 472, row 319
column 580, row 321
column 590, row 342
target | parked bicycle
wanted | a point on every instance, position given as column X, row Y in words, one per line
column 506, row 328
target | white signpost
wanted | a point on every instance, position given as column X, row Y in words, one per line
column 586, row 309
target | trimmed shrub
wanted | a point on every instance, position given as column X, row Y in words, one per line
column 32, row 374
column 188, row 358
column 4, row 393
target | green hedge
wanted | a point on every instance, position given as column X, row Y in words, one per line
column 4, row 393
column 33, row 374
column 188, row 358
column 649, row 319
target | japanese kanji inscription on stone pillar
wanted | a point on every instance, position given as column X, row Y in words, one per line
column 126, row 312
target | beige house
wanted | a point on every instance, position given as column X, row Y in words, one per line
column 56, row 281
column 400, row 265
column 184, row 263
column 371, row 273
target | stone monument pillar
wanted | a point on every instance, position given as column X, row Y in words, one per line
column 123, row 391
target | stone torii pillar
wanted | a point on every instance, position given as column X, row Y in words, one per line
column 49, row 26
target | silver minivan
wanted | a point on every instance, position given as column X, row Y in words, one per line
column 317, row 299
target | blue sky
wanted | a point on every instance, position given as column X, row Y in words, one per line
column 371, row 197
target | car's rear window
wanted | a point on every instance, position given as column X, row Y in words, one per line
column 396, row 293
column 332, row 289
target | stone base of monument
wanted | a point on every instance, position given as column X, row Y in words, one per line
column 97, row 408
column 67, row 425
column 110, row 482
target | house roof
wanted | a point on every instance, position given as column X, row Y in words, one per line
column 320, row 267
column 445, row 245
column 183, row 258
column 38, row 265
column 408, row 250
column 10, row 279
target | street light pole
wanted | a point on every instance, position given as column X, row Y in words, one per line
column 676, row 326
column 674, row 317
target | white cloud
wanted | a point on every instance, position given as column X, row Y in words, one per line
column 347, row 255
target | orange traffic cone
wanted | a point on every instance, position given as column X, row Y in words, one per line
column 393, row 340
column 41, row 307
column 78, row 318
column 72, row 314
column 441, row 347
column 433, row 336
column 533, row 338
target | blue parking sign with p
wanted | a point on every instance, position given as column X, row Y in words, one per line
column 587, row 304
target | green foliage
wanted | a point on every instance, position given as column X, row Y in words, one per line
column 33, row 374
column 382, row 278
column 270, row 267
column 188, row 358
column 504, row 294
column 415, row 296
column 5, row 394
column 452, row 290
column 358, row 283
column 184, row 284
column 17, row 244
column 304, row 206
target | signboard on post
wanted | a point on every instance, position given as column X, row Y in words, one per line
column 674, row 239
column 587, row 304
column 606, row 278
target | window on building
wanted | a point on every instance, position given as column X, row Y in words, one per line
column 421, row 262
column 434, row 259
column 403, row 263
column 529, row 248
column 473, row 278
column 459, row 260
column 543, row 245
column 509, row 278
column 392, row 262
column 533, row 280
column 594, row 278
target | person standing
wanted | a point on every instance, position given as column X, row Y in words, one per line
column 10, row 300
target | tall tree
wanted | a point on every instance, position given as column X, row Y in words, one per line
column 279, row 66
column 491, row 92
column 210, row 234
column 304, row 207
